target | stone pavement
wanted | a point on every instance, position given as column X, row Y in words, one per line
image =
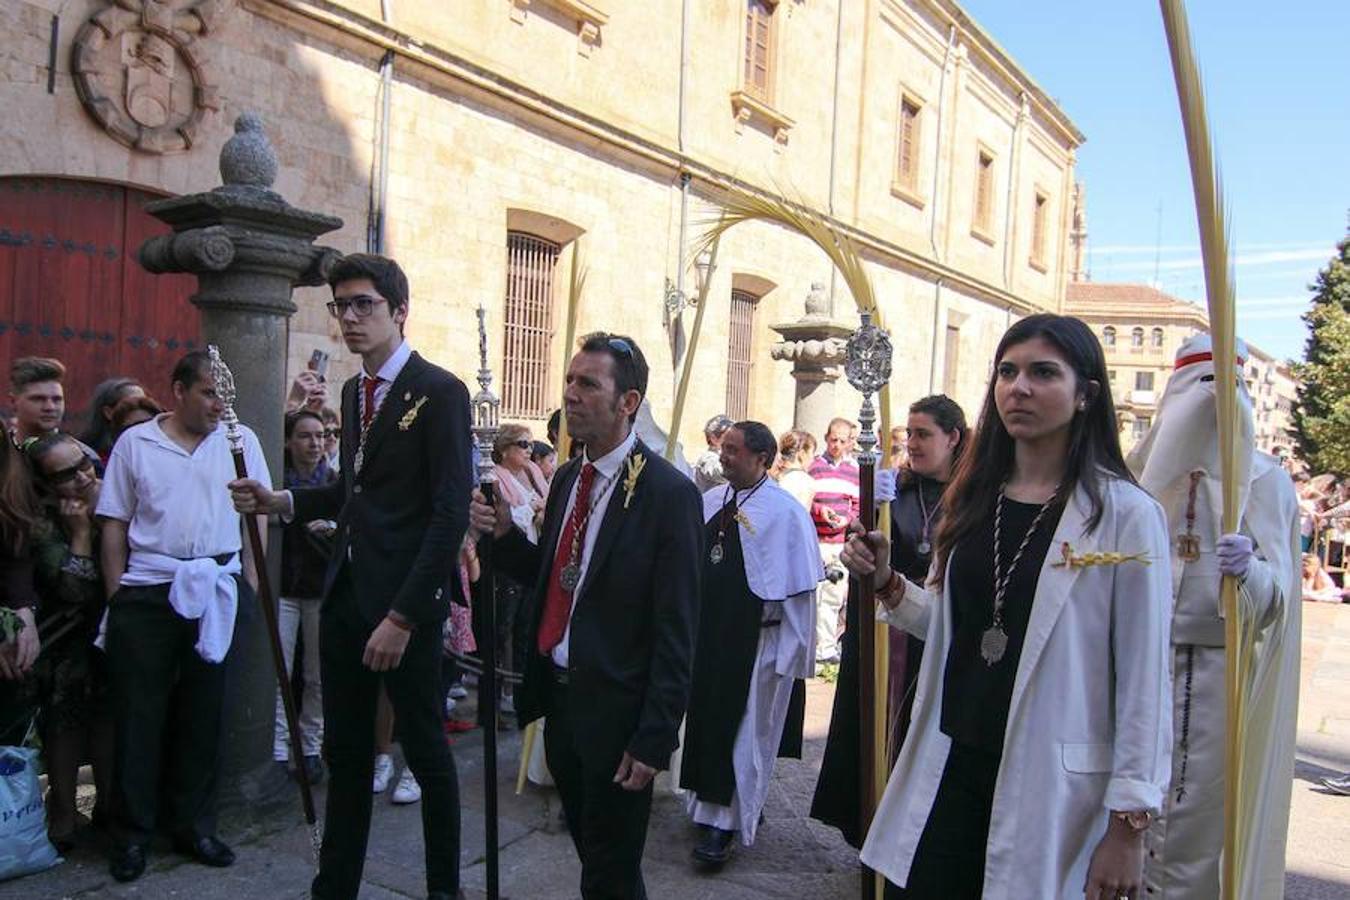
column 1319, row 831
column 793, row 857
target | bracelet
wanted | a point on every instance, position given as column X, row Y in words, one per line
column 891, row 586
column 398, row 621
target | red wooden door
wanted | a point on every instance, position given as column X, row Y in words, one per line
column 70, row 287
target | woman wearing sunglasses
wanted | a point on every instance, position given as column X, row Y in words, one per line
column 75, row 719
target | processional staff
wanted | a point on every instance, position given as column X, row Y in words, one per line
column 223, row 379
column 867, row 366
column 486, row 419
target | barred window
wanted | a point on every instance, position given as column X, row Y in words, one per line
column 739, row 361
column 530, row 267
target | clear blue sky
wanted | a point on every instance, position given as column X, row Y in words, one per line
column 1279, row 103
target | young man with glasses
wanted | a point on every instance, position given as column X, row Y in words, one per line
column 616, row 571
column 401, row 504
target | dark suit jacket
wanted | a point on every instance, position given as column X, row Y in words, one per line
column 635, row 616
column 401, row 520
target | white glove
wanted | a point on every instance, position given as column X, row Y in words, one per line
column 885, row 485
column 1235, row 554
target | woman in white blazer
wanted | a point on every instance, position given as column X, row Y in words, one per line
column 1040, row 738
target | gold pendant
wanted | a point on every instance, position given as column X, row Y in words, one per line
column 993, row 644
column 1188, row 547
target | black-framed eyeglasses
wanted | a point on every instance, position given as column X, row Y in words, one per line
column 70, row 473
column 332, row 432
column 362, row 304
column 523, row 444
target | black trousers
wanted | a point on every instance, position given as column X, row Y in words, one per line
column 350, row 691
column 949, row 860
column 160, row 685
column 608, row 824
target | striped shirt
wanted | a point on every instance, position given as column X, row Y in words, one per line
column 836, row 489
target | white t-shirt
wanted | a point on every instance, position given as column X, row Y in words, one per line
column 177, row 503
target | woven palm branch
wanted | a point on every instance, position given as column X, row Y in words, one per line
column 1212, row 219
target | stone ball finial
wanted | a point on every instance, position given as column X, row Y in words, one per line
column 817, row 304
column 247, row 158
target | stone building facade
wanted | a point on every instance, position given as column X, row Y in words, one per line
column 488, row 144
column 1141, row 329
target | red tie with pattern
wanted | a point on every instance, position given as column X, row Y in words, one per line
column 558, row 604
column 368, row 410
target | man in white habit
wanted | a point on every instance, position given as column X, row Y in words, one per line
column 756, row 642
column 1178, row 462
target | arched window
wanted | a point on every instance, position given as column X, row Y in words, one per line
column 1109, row 336
column 1137, row 337
column 1157, row 338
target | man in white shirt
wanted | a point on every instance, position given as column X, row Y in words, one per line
column 172, row 553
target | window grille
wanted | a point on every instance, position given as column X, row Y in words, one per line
column 528, row 321
column 740, row 363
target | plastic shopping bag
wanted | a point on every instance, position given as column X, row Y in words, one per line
column 24, row 847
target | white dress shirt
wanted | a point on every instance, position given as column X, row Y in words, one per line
column 607, row 471
column 176, row 503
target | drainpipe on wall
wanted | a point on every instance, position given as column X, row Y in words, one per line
column 677, row 340
column 376, row 215
column 937, row 157
column 834, row 128
column 933, row 351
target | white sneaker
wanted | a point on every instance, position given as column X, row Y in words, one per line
column 458, row 691
column 384, row 771
column 407, row 790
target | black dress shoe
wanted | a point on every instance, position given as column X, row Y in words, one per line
column 127, row 863
column 209, row 851
column 715, row 848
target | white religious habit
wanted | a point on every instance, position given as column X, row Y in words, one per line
column 1178, row 462
column 756, row 641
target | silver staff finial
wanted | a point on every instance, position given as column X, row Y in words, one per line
column 867, row 365
column 486, row 405
column 226, row 391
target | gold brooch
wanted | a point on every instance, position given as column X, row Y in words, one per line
column 410, row 416
column 744, row 520
column 1071, row 561
column 635, row 466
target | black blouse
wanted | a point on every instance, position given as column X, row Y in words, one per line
column 976, row 695
column 907, row 525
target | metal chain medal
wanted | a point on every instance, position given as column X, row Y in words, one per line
column 717, row 554
column 570, row 576
column 994, row 641
column 925, row 547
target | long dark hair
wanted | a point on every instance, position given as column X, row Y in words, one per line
column 18, row 505
column 948, row 416
column 1094, row 442
column 98, row 433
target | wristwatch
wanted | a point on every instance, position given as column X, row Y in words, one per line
column 1136, row 820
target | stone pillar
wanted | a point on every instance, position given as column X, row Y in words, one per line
column 814, row 344
column 248, row 248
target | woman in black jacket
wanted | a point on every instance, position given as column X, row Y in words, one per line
column 935, row 435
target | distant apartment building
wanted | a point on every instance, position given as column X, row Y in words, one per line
column 1141, row 327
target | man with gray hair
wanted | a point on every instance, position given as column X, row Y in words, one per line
column 708, row 467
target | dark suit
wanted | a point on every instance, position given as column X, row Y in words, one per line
column 400, row 521
column 629, row 659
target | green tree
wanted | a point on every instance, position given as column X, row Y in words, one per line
column 1322, row 420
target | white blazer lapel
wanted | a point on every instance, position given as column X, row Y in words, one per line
column 1053, row 587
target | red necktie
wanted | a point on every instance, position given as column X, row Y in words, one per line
column 558, row 603
column 368, row 410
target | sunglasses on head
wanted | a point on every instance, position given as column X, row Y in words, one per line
column 619, row 345
column 70, row 473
